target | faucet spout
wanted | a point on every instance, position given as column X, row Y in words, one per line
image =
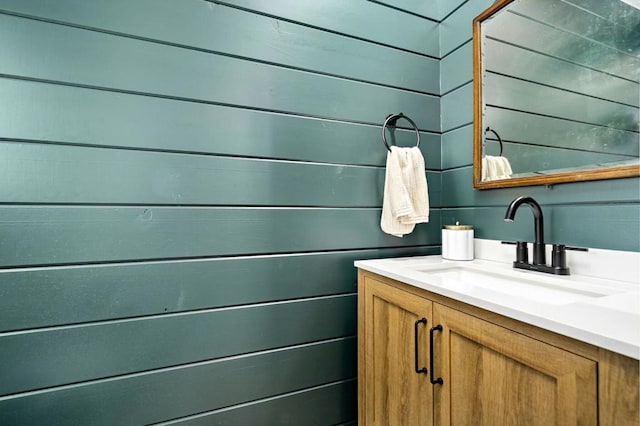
column 539, row 255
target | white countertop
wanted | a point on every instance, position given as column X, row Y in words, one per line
column 611, row 320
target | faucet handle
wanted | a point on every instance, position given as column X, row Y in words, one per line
column 559, row 256
column 522, row 251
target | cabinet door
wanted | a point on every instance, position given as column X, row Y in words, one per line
column 394, row 393
column 494, row 376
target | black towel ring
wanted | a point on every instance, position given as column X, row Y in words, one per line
column 391, row 120
column 489, row 129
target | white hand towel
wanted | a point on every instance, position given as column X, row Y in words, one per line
column 504, row 168
column 406, row 196
column 494, row 168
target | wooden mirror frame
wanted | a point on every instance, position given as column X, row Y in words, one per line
column 575, row 176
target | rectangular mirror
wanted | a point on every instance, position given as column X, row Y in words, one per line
column 556, row 92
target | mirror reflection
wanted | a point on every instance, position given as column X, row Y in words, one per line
column 560, row 85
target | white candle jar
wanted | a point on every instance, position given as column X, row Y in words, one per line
column 457, row 242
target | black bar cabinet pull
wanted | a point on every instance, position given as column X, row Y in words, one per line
column 416, row 346
column 439, row 380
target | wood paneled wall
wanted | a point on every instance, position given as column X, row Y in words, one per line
column 184, row 187
column 601, row 214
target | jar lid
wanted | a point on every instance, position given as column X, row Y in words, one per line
column 458, row 227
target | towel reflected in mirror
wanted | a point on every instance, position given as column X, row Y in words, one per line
column 495, row 168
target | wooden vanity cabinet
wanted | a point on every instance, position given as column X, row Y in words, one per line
column 495, row 376
column 394, row 392
column 494, row 370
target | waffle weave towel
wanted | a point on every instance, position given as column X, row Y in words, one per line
column 406, row 196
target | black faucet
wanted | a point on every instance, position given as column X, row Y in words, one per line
column 539, row 255
column 558, row 261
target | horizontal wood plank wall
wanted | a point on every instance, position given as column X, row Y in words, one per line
column 269, row 39
column 184, row 189
column 601, row 214
column 360, row 19
column 323, row 405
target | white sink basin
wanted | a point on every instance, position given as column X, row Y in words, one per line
column 551, row 290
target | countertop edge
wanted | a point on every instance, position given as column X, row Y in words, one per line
column 565, row 328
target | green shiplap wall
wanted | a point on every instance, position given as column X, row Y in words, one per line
column 183, row 190
column 600, row 214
